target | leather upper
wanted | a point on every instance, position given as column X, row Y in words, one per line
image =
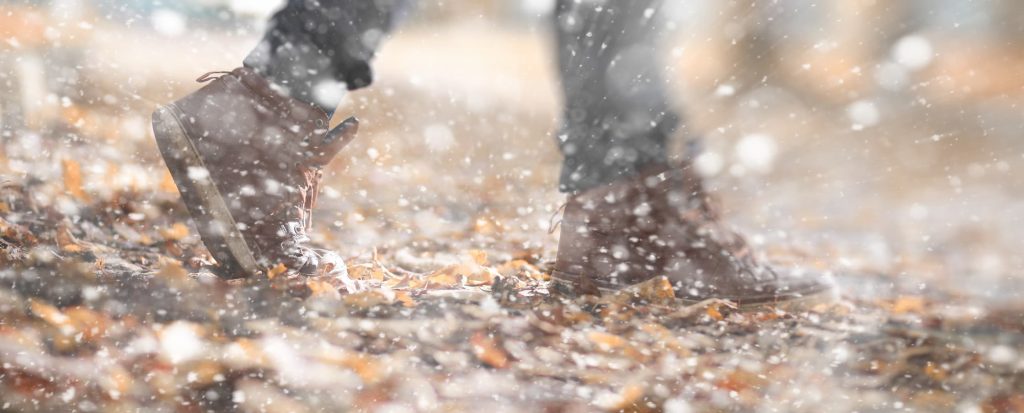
column 662, row 223
column 258, row 147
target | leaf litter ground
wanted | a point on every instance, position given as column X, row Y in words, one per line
column 117, row 309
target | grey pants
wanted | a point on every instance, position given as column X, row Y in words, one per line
column 616, row 121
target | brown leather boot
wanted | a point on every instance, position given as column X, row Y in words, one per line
column 247, row 161
column 662, row 223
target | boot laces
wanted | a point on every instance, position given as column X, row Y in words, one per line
column 299, row 218
column 208, row 76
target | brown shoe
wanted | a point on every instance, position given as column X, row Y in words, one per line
column 662, row 223
column 247, row 161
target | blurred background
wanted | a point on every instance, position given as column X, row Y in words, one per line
column 876, row 138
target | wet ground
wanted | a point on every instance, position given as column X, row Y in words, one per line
column 444, row 206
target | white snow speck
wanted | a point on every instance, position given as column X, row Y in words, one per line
column 709, row 163
column 913, row 51
column 439, row 137
column 538, row 7
column 1002, row 354
column 863, row 113
column 329, row 93
column 891, row 75
column 677, row 406
column 255, row 7
column 757, row 152
column 642, row 210
column 169, row 22
column 197, row 173
column 725, row 90
column 179, row 342
column 272, row 186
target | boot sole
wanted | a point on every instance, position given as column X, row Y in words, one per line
column 205, row 204
column 790, row 303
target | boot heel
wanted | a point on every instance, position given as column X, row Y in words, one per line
column 205, row 203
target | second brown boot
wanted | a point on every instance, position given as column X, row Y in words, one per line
column 661, row 223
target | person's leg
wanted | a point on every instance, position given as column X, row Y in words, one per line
column 617, row 118
column 314, row 50
column 632, row 215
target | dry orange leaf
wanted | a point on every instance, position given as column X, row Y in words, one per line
column 172, row 269
column 176, row 232
column 457, row 275
column 404, row 298
column 907, row 304
column 606, row 341
column 447, row 277
column 73, row 179
column 167, row 183
column 478, row 256
column 362, row 365
column 937, row 373
column 369, row 272
column 91, row 324
column 713, row 312
column 367, row 299
column 658, row 290
column 488, row 352
column 277, row 270
column 321, row 288
column 14, row 231
column 66, row 240
column 740, row 380
column 48, row 313
column 118, row 380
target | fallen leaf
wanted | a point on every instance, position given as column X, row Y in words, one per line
column 712, row 311
column 369, row 299
column 73, row 179
column 458, row 275
column 405, row 298
column 66, row 240
column 907, row 304
column 487, row 351
column 321, row 288
column 447, row 277
column 366, row 272
column 48, row 313
column 478, row 256
column 657, row 291
column 176, row 232
column 91, row 324
column 739, row 380
column 364, row 366
column 16, row 232
column 606, row 341
column 172, row 269
column 167, row 183
column 934, row 371
column 277, row 270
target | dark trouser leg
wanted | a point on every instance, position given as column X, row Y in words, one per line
column 617, row 117
column 316, row 49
